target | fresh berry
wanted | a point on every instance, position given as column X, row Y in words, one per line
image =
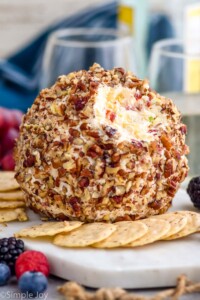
column 10, row 120
column 1, row 151
column 6, row 120
column 10, row 249
column 32, row 261
column 33, row 283
column 5, row 274
column 8, row 163
column 193, row 191
column 17, row 117
column 9, row 138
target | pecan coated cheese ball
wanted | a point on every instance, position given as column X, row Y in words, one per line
column 100, row 145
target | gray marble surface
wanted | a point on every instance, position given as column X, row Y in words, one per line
column 11, row 291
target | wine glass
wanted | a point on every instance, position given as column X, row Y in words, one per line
column 176, row 74
column 74, row 49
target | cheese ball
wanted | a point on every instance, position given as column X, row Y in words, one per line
column 100, row 145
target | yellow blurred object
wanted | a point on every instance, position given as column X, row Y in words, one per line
column 192, row 47
column 193, row 76
column 133, row 19
column 126, row 17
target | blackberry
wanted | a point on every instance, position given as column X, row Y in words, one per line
column 193, row 191
column 10, row 249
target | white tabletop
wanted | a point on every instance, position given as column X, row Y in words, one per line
column 11, row 291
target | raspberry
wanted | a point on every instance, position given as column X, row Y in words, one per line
column 31, row 261
column 193, row 191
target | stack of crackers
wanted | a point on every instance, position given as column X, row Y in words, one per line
column 127, row 234
column 12, row 204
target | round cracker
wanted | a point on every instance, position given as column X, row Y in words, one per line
column 177, row 221
column 7, row 215
column 86, row 235
column 192, row 225
column 126, row 232
column 7, row 181
column 12, row 204
column 156, row 229
column 48, row 229
column 16, row 195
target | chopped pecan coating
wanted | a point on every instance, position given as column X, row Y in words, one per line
column 100, row 145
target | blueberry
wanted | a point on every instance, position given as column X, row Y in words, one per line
column 33, row 283
column 5, row 274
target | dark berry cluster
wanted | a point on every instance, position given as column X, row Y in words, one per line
column 193, row 191
column 10, row 249
column 31, row 267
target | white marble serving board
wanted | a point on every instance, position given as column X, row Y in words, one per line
column 155, row 265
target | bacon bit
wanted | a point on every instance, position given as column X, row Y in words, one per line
column 148, row 103
column 111, row 115
column 152, row 130
column 130, row 107
column 138, row 96
column 139, row 107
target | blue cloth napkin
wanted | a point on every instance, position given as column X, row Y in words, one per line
column 20, row 73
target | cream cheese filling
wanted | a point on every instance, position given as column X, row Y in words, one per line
column 121, row 109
